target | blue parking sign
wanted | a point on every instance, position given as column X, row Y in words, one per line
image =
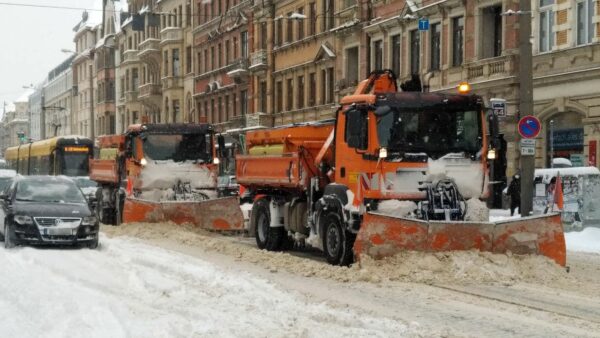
column 423, row 24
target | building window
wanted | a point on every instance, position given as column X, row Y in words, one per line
column 290, row 29
column 290, row 95
column 352, row 65
column 312, row 89
column 166, row 60
column 263, row 35
column 300, row 102
column 395, row 42
column 415, row 52
column 323, row 86
column 213, row 111
column 435, row 46
column 491, row 36
column 219, row 55
column 263, row 97
column 135, row 79
column 235, row 48
column 244, row 102
column 328, row 14
column 227, row 107
column 212, row 58
column 312, row 20
column 227, row 52
column 378, row 55
column 205, row 61
column 279, row 32
column 301, row 24
column 279, row 90
column 175, row 62
column 188, row 59
column 220, row 109
column 458, row 27
column 244, row 41
column 546, row 24
column 585, row 25
column 330, row 81
column 234, row 103
column 175, row 110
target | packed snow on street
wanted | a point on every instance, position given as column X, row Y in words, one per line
column 172, row 281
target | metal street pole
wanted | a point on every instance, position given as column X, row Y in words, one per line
column 526, row 101
column 551, row 143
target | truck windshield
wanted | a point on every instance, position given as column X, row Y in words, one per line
column 435, row 133
column 179, row 148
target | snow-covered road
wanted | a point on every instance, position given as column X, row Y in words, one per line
column 168, row 281
column 131, row 289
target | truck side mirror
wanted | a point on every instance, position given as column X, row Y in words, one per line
column 221, row 142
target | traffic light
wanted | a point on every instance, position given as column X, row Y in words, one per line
column 21, row 136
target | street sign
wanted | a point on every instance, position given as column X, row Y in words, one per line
column 529, row 126
column 498, row 107
column 423, row 24
column 527, row 146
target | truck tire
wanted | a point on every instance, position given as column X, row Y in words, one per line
column 337, row 241
column 267, row 237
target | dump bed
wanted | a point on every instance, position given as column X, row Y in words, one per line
column 282, row 157
column 104, row 169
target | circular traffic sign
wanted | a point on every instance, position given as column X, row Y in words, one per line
column 529, row 126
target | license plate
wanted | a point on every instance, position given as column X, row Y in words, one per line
column 58, row 231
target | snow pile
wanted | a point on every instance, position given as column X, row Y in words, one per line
column 497, row 215
column 397, row 208
column 422, row 267
column 477, row 211
column 165, row 174
column 130, row 289
column 587, row 240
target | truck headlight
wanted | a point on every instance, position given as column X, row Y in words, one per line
column 89, row 220
column 23, row 220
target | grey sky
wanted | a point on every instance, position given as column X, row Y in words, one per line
column 31, row 40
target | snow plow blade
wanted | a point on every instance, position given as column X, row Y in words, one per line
column 383, row 235
column 217, row 214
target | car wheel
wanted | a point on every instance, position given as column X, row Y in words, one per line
column 337, row 241
column 9, row 237
column 266, row 237
column 93, row 244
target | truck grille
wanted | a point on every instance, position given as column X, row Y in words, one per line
column 52, row 221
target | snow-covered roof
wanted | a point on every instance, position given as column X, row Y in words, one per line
column 25, row 96
column 562, row 161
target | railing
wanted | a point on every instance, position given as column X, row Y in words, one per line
column 171, row 34
column 130, row 55
column 503, row 65
column 259, row 59
column 149, row 89
column 150, row 45
column 171, row 82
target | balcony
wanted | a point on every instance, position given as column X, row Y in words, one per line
column 131, row 96
column 172, row 82
column 488, row 69
column 130, row 56
column 150, row 51
column 171, row 35
column 238, row 69
column 149, row 89
column 258, row 61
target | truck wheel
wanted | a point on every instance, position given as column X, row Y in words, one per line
column 266, row 237
column 9, row 237
column 337, row 241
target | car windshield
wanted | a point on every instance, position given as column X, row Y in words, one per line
column 179, row 148
column 435, row 133
column 49, row 190
column 4, row 182
column 85, row 182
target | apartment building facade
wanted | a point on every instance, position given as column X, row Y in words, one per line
column 58, row 99
column 222, row 45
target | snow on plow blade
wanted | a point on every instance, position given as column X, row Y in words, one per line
column 216, row 214
column 382, row 236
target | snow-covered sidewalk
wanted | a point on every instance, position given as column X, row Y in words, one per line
column 131, row 289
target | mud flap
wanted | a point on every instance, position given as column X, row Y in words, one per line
column 217, row 214
column 382, row 236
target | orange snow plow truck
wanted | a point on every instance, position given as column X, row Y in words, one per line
column 393, row 171
column 161, row 173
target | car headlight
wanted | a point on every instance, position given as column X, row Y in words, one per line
column 89, row 220
column 23, row 220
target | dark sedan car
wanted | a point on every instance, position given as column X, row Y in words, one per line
column 46, row 210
